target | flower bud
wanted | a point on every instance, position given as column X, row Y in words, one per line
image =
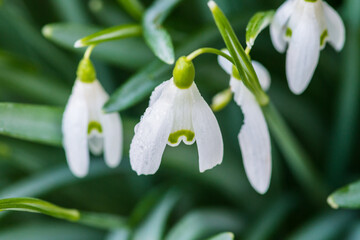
column 184, row 73
column 221, row 100
column 86, row 71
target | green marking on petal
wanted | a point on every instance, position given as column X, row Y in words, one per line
column 288, row 32
column 312, row 1
column 174, row 137
column 94, row 125
column 235, row 73
column 323, row 37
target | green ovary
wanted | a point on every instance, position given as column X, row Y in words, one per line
column 93, row 125
column 174, row 137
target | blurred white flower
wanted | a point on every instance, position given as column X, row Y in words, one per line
column 306, row 25
column 85, row 126
column 254, row 136
column 175, row 114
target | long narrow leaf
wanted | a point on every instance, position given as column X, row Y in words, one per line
column 38, row 206
column 31, row 122
column 155, row 34
column 202, row 223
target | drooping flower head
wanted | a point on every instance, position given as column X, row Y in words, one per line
column 254, row 136
column 85, row 126
column 176, row 112
column 306, row 26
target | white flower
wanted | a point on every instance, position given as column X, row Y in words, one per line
column 254, row 136
column 174, row 115
column 306, row 25
column 85, row 126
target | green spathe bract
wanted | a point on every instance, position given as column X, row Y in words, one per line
column 184, row 73
column 86, row 71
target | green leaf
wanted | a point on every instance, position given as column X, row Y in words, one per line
column 34, row 86
column 256, row 24
column 16, row 18
column 294, row 154
column 110, row 34
column 38, row 206
column 133, row 7
column 324, row 227
column 271, row 220
column 122, row 234
column 343, row 139
column 71, row 11
column 202, row 223
column 346, row 197
column 31, row 122
column 223, row 236
column 155, row 34
column 137, row 87
column 102, row 220
column 45, row 230
column 153, row 226
column 129, row 53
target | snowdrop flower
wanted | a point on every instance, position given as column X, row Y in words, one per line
column 306, row 25
column 177, row 112
column 85, row 126
column 254, row 136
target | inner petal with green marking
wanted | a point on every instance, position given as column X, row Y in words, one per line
column 93, row 125
column 323, row 37
column 187, row 136
column 95, row 138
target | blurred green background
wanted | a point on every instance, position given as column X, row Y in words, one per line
column 178, row 202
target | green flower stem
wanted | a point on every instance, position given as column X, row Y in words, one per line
column 200, row 51
column 241, row 59
column 294, row 154
column 89, row 51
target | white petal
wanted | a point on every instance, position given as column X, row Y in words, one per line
column 335, row 26
column 182, row 123
column 113, row 138
column 237, row 87
column 224, row 63
column 255, row 144
column 157, row 92
column 151, row 135
column 74, row 128
column 96, row 142
column 303, row 53
column 207, row 133
column 111, row 127
column 263, row 75
column 278, row 26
